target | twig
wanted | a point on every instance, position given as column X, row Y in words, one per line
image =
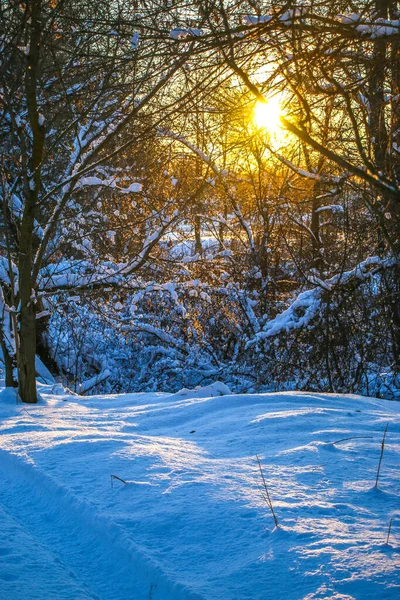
column 388, row 535
column 27, row 412
column 119, row 479
column 381, row 456
column 267, row 496
column 354, row 437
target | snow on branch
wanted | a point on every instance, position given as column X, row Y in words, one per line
column 180, row 138
column 248, row 310
column 68, row 275
column 334, row 208
column 87, row 385
column 303, row 172
column 368, row 27
column 179, row 33
column 284, row 16
column 85, row 275
column 307, row 304
column 111, row 183
column 372, row 28
column 159, row 287
column 255, row 20
column 163, row 336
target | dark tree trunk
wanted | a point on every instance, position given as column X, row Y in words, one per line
column 27, row 316
column 317, row 262
column 316, row 241
column 198, row 247
column 27, row 350
column 9, row 364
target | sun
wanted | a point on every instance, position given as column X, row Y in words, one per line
column 267, row 115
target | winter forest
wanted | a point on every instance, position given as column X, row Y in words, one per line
column 201, row 190
column 199, row 299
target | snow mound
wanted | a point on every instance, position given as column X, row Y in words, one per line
column 208, row 391
column 8, row 396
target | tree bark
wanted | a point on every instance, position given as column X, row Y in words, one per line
column 9, row 365
column 27, row 316
column 198, row 247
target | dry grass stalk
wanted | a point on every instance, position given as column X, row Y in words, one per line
column 354, row 437
column 116, row 477
column 266, row 496
column 388, row 535
column 381, row 456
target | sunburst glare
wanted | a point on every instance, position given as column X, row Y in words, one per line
column 267, row 115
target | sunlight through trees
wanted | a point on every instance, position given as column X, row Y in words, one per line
column 198, row 191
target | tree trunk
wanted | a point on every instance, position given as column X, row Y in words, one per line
column 317, row 262
column 395, row 132
column 9, row 365
column 316, row 241
column 198, row 247
column 27, row 316
column 27, row 349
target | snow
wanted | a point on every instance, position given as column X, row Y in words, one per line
column 209, row 391
column 134, row 187
column 25, row 49
column 135, row 40
column 349, row 18
column 255, row 20
column 42, row 371
column 93, row 381
column 190, row 523
column 374, row 28
column 179, row 33
column 306, row 305
column 335, row 208
column 96, row 181
column 287, row 17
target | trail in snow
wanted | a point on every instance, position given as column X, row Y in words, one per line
column 191, row 522
column 46, row 554
column 55, row 547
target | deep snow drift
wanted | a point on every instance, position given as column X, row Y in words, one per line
column 191, row 522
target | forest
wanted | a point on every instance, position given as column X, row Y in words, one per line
column 199, row 299
column 200, row 191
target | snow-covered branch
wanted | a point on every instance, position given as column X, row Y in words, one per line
column 307, row 304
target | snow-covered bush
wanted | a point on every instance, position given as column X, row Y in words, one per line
column 172, row 336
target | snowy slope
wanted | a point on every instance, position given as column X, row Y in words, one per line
column 191, row 522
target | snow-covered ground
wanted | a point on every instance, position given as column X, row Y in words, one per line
column 191, row 522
